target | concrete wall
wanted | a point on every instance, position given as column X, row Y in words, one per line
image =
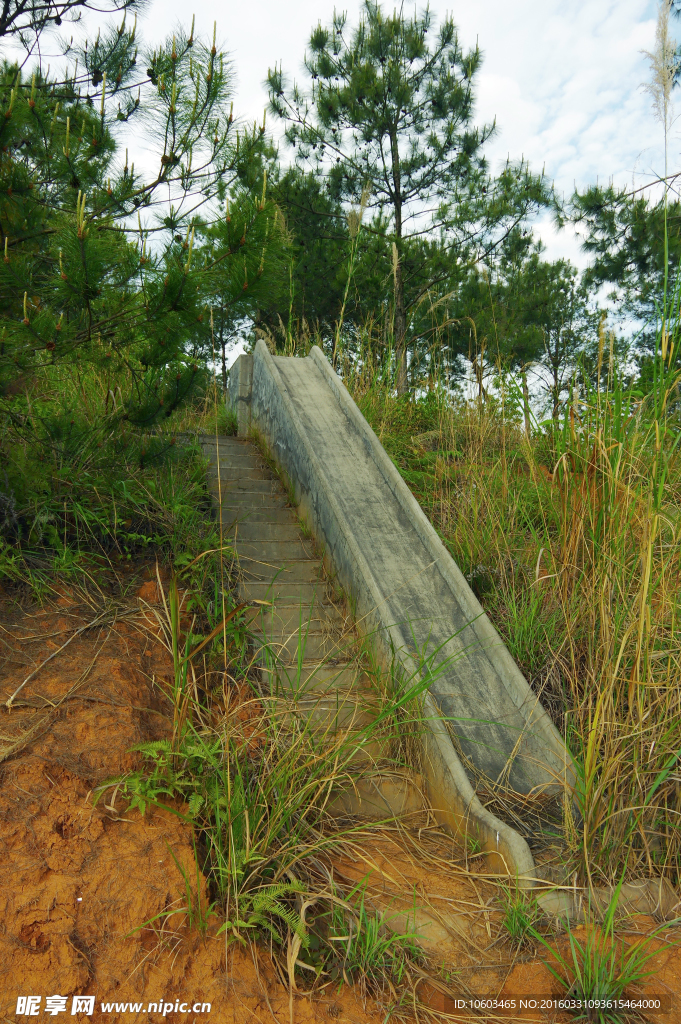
column 239, row 392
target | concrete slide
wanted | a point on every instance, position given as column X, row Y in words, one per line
column 409, row 596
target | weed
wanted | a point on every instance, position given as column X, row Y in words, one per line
column 520, row 914
column 256, row 910
column 146, row 788
column 473, row 846
column 198, row 911
column 361, row 947
column 227, row 421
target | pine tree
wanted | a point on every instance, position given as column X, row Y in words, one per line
column 100, row 263
column 110, row 276
column 390, row 111
column 633, row 242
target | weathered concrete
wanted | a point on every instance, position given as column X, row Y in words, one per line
column 251, row 531
column 411, row 597
column 234, row 518
column 297, row 646
column 240, row 383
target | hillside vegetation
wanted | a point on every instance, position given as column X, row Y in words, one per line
column 540, row 432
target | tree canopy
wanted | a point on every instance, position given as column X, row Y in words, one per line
column 387, row 122
column 103, row 263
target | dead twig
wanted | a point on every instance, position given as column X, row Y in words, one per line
column 20, row 741
column 90, row 625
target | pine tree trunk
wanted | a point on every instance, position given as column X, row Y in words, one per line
column 400, row 332
column 526, row 403
column 556, row 403
column 479, row 365
column 400, row 311
column 223, row 347
column 224, row 365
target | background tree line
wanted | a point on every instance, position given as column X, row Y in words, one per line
column 443, row 264
column 377, row 216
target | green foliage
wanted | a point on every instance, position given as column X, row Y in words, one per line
column 80, row 487
column 27, row 24
column 530, row 626
column 255, row 911
column 312, row 290
column 526, row 312
column 226, row 421
column 388, row 122
column 520, row 915
column 257, row 808
column 75, row 283
column 197, row 911
column 67, row 514
column 106, row 324
column 629, row 237
column 144, row 789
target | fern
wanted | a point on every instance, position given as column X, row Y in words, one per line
column 196, row 802
column 257, row 908
column 153, row 748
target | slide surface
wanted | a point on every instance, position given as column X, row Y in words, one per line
column 497, row 720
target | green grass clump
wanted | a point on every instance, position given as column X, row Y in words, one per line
column 520, row 915
column 362, row 947
column 599, row 969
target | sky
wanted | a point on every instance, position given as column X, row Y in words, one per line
column 562, row 79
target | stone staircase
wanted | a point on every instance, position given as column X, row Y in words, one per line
column 306, row 649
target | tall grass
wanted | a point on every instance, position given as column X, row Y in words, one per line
column 257, row 777
column 570, row 538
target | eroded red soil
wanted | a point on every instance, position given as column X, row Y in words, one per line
column 78, row 880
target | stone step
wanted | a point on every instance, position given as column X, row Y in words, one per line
column 345, row 715
column 331, row 682
column 379, row 796
column 249, row 470
column 303, row 571
column 278, row 552
column 274, row 516
column 234, row 455
column 306, row 659
column 232, row 446
column 286, row 619
column 250, row 531
column 359, row 752
column 231, row 468
column 228, row 486
column 302, row 647
column 241, row 500
column 327, row 716
column 226, row 441
column 299, row 642
column 282, row 591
